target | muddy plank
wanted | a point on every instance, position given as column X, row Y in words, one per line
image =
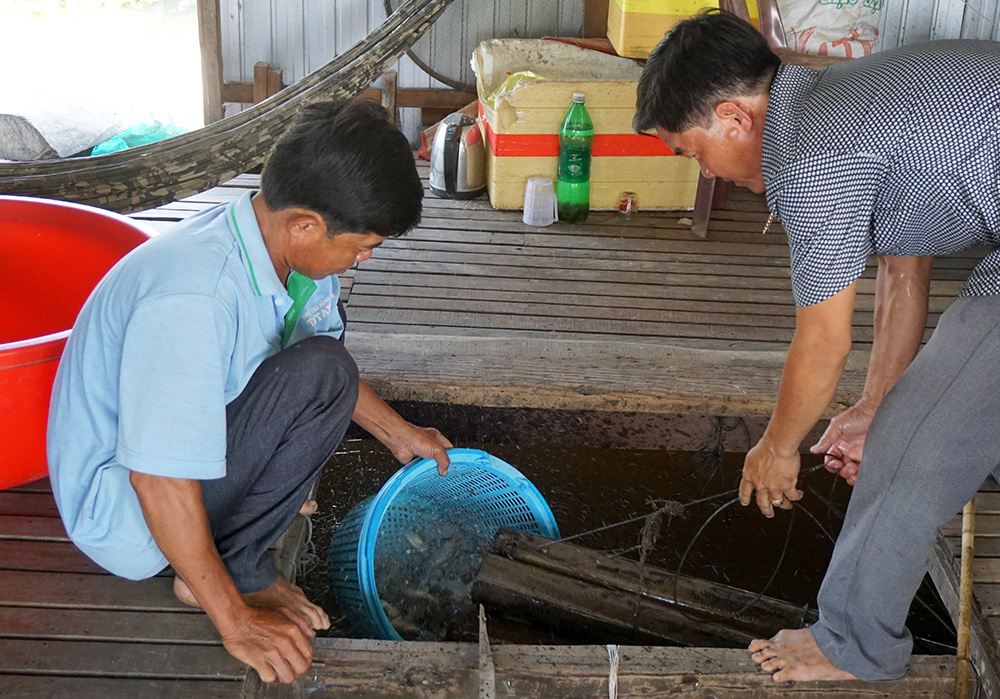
column 567, row 273
column 385, row 279
column 705, row 316
column 986, row 570
column 363, row 668
column 85, row 591
column 597, row 266
column 42, row 485
column 27, row 504
column 35, row 686
column 588, row 335
column 985, row 546
column 45, row 556
column 988, row 597
column 545, row 325
column 987, row 526
column 984, row 650
column 103, row 625
column 107, row 658
column 32, row 528
column 393, row 276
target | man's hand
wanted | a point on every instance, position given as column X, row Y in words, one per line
column 275, row 644
column 405, row 441
column 267, row 629
column 843, row 442
column 773, row 476
column 423, row 442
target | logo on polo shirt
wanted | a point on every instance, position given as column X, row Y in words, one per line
column 321, row 310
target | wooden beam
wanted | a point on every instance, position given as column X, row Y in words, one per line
column 113, row 658
column 365, row 668
column 237, row 92
column 210, row 39
column 580, row 609
column 757, row 614
column 134, row 688
column 426, row 97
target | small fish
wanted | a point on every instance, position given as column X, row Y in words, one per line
column 416, row 541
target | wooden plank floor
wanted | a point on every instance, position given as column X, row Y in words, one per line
column 945, row 572
column 69, row 629
column 474, row 307
column 471, row 307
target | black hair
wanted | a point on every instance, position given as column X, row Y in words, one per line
column 702, row 61
column 347, row 163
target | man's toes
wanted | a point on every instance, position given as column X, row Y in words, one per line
column 765, row 654
column 773, row 665
column 759, row 644
column 783, row 676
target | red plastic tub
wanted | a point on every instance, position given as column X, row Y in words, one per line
column 52, row 254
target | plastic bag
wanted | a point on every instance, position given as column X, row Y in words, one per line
column 510, row 82
column 148, row 131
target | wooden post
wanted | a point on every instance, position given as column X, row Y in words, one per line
column 965, row 600
column 389, row 94
column 210, row 39
column 595, row 18
column 267, row 81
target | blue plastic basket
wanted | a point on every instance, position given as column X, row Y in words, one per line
column 480, row 490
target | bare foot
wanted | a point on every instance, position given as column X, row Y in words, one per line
column 184, row 594
column 283, row 596
column 792, row 655
column 309, row 507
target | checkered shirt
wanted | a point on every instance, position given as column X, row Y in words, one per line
column 897, row 153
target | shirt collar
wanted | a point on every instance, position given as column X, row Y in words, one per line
column 790, row 88
column 256, row 259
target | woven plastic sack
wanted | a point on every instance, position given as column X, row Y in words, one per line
column 846, row 28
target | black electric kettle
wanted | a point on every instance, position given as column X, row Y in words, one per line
column 458, row 158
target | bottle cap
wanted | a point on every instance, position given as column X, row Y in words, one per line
column 579, row 97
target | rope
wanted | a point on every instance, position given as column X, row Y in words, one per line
column 613, row 659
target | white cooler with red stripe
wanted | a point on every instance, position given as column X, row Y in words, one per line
column 521, row 126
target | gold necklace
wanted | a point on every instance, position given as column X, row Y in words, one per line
column 767, row 226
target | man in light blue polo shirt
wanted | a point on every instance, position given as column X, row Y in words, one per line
column 205, row 382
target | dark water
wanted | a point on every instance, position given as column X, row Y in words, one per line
column 592, row 488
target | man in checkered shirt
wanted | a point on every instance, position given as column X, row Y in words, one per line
column 896, row 155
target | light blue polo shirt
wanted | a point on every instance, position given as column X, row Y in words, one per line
column 170, row 336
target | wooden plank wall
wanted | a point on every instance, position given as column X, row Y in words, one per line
column 300, row 36
column 69, row 629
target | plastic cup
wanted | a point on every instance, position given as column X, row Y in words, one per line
column 627, row 204
column 540, row 208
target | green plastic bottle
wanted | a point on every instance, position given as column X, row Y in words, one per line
column 573, row 176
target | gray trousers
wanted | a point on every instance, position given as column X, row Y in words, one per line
column 282, row 429
column 934, row 440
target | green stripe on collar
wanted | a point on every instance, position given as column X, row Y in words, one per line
column 243, row 246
